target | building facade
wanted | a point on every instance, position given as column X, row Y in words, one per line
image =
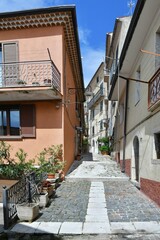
column 139, row 142
column 114, row 45
column 96, row 109
column 40, row 66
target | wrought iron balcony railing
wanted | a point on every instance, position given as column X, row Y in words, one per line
column 30, row 73
column 96, row 97
column 154, row 90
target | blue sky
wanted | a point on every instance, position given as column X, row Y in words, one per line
column 95, row 18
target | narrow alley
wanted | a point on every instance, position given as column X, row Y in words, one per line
column 96, row 199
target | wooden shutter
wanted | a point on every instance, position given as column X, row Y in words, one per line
column 27, row 117
column 10, row 55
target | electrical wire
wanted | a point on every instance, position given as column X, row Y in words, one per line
column 69, row 116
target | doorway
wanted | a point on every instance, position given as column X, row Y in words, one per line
column 136, row 156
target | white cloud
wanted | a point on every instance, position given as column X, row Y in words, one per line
column 83, row 35
column 91, row 59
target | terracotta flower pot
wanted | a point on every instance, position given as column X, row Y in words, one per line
column 51, row 175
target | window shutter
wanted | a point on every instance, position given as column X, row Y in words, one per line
column 27, row 113
column 10, row 52
column 11, row 71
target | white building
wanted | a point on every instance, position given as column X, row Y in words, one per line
column 114, row 45
column 137, row 141
column 96, row 109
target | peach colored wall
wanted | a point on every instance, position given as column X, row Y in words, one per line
column 48, row 129
column 33, row 43
column 70, row 118
column 52, row 126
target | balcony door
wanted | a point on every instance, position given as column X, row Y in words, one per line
column 9, row 66
column 136, row 155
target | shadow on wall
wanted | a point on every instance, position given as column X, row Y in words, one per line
column 48, row 115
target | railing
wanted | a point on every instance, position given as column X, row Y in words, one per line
column 154, row 90
column 32, row 73
column 96, row 97
column 24, row 191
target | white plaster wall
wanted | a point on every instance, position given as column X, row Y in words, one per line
column 147, row 63
column 149, row 166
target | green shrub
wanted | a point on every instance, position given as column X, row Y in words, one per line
column 104, row 148
column 50, row 160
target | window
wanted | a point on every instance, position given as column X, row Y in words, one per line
column 9, row 54
column 97, row 79
column 92, row 114
column 93, row 131
column 17, row 121
column 101, row 106
column 101, row 125
column 157, row 144
column 137, row 86
column 10, row 122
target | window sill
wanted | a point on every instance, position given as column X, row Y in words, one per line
column 10, row 137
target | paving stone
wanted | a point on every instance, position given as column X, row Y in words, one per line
column 150, row 227
column 97, row 200
column 97, row 194
column 95, row 205
column 71, row 228
column 96, row 228
column 48, row 227
column 125, row 203
column 111, row 191
column 122, row 227
column 97, row 211
column 96, row 218
column 70, row 200
column 25, row 227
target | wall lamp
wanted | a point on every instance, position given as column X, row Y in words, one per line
column 79, row 129
column 88, row 91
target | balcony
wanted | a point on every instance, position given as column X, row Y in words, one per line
column 33, row 80
column 96, row 98
column 154, row 91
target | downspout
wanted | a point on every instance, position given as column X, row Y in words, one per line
column 125, row 127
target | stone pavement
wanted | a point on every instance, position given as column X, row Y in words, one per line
column 96, row 201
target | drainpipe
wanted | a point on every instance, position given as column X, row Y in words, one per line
column 125, row 127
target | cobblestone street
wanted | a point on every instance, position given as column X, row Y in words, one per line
column 96, row 201
column 125, row 203
column 69, row 204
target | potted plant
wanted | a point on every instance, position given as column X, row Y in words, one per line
column 27, row 211
column 43, row 199
column 21, row 82
column 104, row 149
column 47, row 187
